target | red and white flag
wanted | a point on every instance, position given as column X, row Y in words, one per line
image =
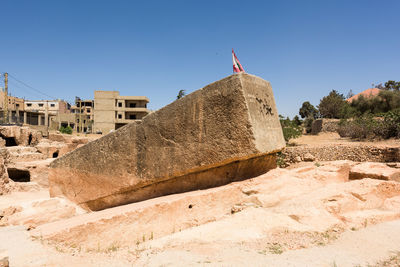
column 237, row 67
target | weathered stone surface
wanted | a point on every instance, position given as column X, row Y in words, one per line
column 324, row 125
column 226, row 131
column 310, row 198
column 21, row 154
column 64, row 145
column 308, row 157
column 23, row 136
column 374, row 170
column 4, row 259
column 5, row 182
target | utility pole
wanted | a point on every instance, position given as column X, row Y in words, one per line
column 5, row 107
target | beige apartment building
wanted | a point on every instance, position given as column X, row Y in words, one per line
column 112, row 111
column 44, row 111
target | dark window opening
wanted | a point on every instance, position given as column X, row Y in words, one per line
column 40, row 105
column 18, row 175
column 30, row 139
column 17, row 105
column 52, row 105
column 132, row 105
column 120, row 104
column 10, row 141
column 119, row 116
column 55, row 155
column 29, row 105
column 132, row 117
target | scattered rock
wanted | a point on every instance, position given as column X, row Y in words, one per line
column 5, row 182
column 308, row 157
column 297, row 159
column 236, row 208
column 375, row 171
column 4, row 259
column 392, row 164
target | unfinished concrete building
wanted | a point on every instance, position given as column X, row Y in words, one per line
column 42, row 111
column 84, row 115
column 112, row 111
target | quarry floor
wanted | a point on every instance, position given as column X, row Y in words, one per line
column 310, row 214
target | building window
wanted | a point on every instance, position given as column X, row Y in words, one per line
column 52, row 105
column 119, row 116
column 88, row 110
column 132, row 105
column 40, row 105
column 17, row 105
column 119, row 104
column 29, row 105
column 132, row 117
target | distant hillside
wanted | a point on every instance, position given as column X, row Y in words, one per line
column 371, row 92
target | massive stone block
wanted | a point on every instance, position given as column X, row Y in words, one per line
column 226, row 131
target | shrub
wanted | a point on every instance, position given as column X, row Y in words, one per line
column 308, row 124
column 360, row 128
column 385, row 101
column 368, row 127
column 290, row 128
column 66, row 130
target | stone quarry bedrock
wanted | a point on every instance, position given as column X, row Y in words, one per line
column 231, row 119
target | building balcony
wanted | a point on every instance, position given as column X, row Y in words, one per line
column 126, row 120
column 122, row 109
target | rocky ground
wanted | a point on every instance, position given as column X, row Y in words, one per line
column 312, row 213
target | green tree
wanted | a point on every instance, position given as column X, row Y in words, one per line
column 290, row 128
column 350, row 94
column 65, row 130
column 385, row 101
column 332, row 106
column 180, row 94
column 308, row 111
column 392, row 85
column 297, row 120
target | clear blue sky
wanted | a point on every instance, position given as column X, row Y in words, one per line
column 155, row 48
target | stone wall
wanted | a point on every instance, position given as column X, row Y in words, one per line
column 325, row 125
column 22, row 136
column 5, row 182
column 331, row 152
